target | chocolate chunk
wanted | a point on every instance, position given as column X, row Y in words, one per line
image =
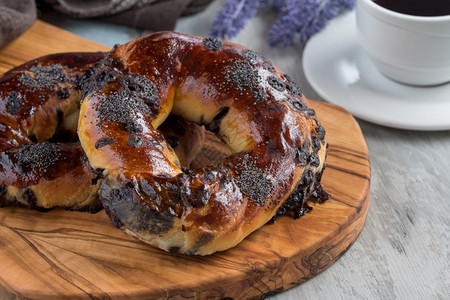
column 293, row 203
column 106, row 76
column 191, row 194
column 133, row 127
column 314, row 159
column 123, row 193
column 142, row 88
column 199, row 196
column 95, row 79
column 125, row 208
column 13, row 102
column 101, row 142
column 86, row 83
column 212, row 44
column 302, row 154
column 320, row 130
column 300, row 105
column 302, row 210
column 301, row 157
column 307, row 178
column 173, row 189
column 149, row 190
column 214, row 126
column 276, row 83
column 292, row 87
column 316, row 144
column 30, row 198
column 320, row 195
column 135, row 141
column 63, row 93
column 252, row 56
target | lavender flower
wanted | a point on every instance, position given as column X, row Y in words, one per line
column 298, row 19
column 233, row 17
column 347, row 4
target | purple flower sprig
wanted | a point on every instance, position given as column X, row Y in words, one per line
column 297, row 20
column 233, row 16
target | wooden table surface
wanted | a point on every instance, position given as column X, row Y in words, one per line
column 403, row 251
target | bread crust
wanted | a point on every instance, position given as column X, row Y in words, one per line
column 41, row 165
column 278, row 145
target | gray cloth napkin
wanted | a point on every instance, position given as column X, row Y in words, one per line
column 146, row 14
column 159, row 15
column 16, row 16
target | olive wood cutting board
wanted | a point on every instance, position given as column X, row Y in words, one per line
column 61, row 254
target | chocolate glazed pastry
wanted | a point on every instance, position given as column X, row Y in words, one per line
column 41, row 163
column 278, row 145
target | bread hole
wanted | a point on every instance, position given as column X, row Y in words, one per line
column 213, row 151
column 195, row 146
column 33, row 139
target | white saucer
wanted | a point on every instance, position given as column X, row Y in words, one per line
column 338, row 69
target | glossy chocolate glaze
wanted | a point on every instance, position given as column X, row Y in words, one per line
column 256, row 109
column 36, row 99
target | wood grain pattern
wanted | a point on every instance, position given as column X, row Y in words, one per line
column 42, row 39
column 63, row 254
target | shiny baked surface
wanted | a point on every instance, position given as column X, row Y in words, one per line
column 277, row 142
column 42, row 165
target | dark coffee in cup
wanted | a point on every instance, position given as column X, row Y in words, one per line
column 425, row 8
column 411, row 47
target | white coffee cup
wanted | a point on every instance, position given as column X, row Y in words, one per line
column 410, row 49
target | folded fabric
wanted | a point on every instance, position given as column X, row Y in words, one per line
column 16, row 16
column 95, row 8
column 146, row 14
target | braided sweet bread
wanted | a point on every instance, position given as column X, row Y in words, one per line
column 278, row 145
